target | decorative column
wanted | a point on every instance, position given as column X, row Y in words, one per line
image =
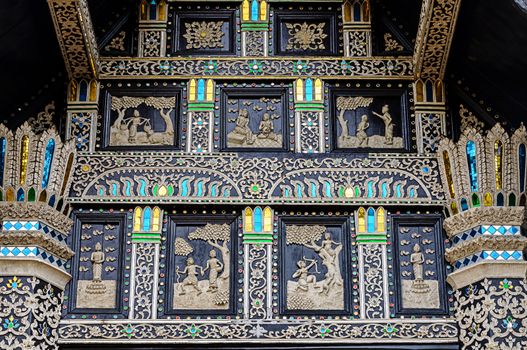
column 430, row 114
column 200, row 116
column 146, row 239
column 152, row 28
column 371, row 238
column 255, row 28
column 485, row 181
column 82, row 109
column 258, row 229
column 309, row 116
column 357, row 28
column 34, row 215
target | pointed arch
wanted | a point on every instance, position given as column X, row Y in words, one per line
column 210, row 90
column 263, row 10
column 48, row 161
column 381, row 220
column 137, row 219
column 258, row 219
column 361, row 220
column 248, row 220
column 268, row 220
column 245, row 10
column 147, row 219
column 254, row 10
column 371, row 220
column 83, row 91
column 24, row 159
column 192, row 90
column 156, row 222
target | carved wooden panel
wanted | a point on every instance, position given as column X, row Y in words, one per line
column 141, row 117
column 98, row 285
column 418, row 267
column 204, row 32
column 369, row 119
column 314, row 266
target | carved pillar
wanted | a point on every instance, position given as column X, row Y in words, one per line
column 82, row 109
column 152, row 28
column 357, row 28
column 430, row 114
column 146, row 239
column 309, row 116
column 258, row 229
column 373, row 263
column 255, row 28
column 200, row 116
column 34, row 216
column 485, row 182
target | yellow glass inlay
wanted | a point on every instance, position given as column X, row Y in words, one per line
column 268, row 220
column 318, row 90
column 245, row 10
column 248, row 220
column 448, row 170
column 300, row 90
column 419, row 91
column 143, row 10
column 263, row 10
column 137, row 219
column 487, row 200
column 192, row 90
column 67, row 173
column 162, row 191
column 93, row 91
column 366, row 11
column 73, row 90
column 10, row 194
column 162, row 10
column 157, row 219
column 439, row 91
column 498, row 163
column 453, row 206
column 210, row 90
column 361, row 218
column 346, row 9
column 381, row 220
column 24, row 157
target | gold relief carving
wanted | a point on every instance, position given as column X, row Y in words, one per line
column 361, row 138
column 37, row 211
column 44, row 119
column 304, row 292
column 242, row 135
column 138, row 130
column 390, row 44
column 304, row 36
column 29, row 238
column 481, row 243
column 483, row 216
column 204, row 35
column 76, row 37
column 213, row 292
column 469, row 120
column 117, row 43
column 419, row 293
column 434, row 37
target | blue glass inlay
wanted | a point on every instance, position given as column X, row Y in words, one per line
column 464, row 204
column 20, row 195
column 254, row 10
column 83, row 91
column 153, row 10
column 286, row 192
column 3, row 146
column 51, row 201
column 226, row 193
column 500, row 200
column 309, row 90
column 398, row 191
column 257, row 219
column 214, row 190
column 147, row 213
column 128, row 187
column 114, row 189
column 201, row 89
column 356, row 12
column 371, row 220
column 299, row 191
column 142, row 187
column 472, row 166
column 313, row 190
column 48, row 159
column 184, row 188
column 370, row 189
column 384, row 190
column 328, row 189
column 429, row 91
column 522, row 156
column 412, row 193
column 200, row 189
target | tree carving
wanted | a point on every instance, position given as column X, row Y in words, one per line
column 219, row 237
column 182, row 247
column 345, row 103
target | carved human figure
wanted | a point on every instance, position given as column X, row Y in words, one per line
column 388, row 123
column 191, row 269
column 302, row 273
column 133, row 124
column 97, row 259
column 330, row 259
column 266, row 128
column 417, row 259
column 214, row 266
column 361, row 131
column 242, row 133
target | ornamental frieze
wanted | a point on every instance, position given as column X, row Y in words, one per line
column 176, row 177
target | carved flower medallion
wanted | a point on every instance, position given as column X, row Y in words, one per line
column 304, row 36
column 204, row 35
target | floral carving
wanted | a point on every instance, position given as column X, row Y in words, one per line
column 304, row 36
column 204, row 35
